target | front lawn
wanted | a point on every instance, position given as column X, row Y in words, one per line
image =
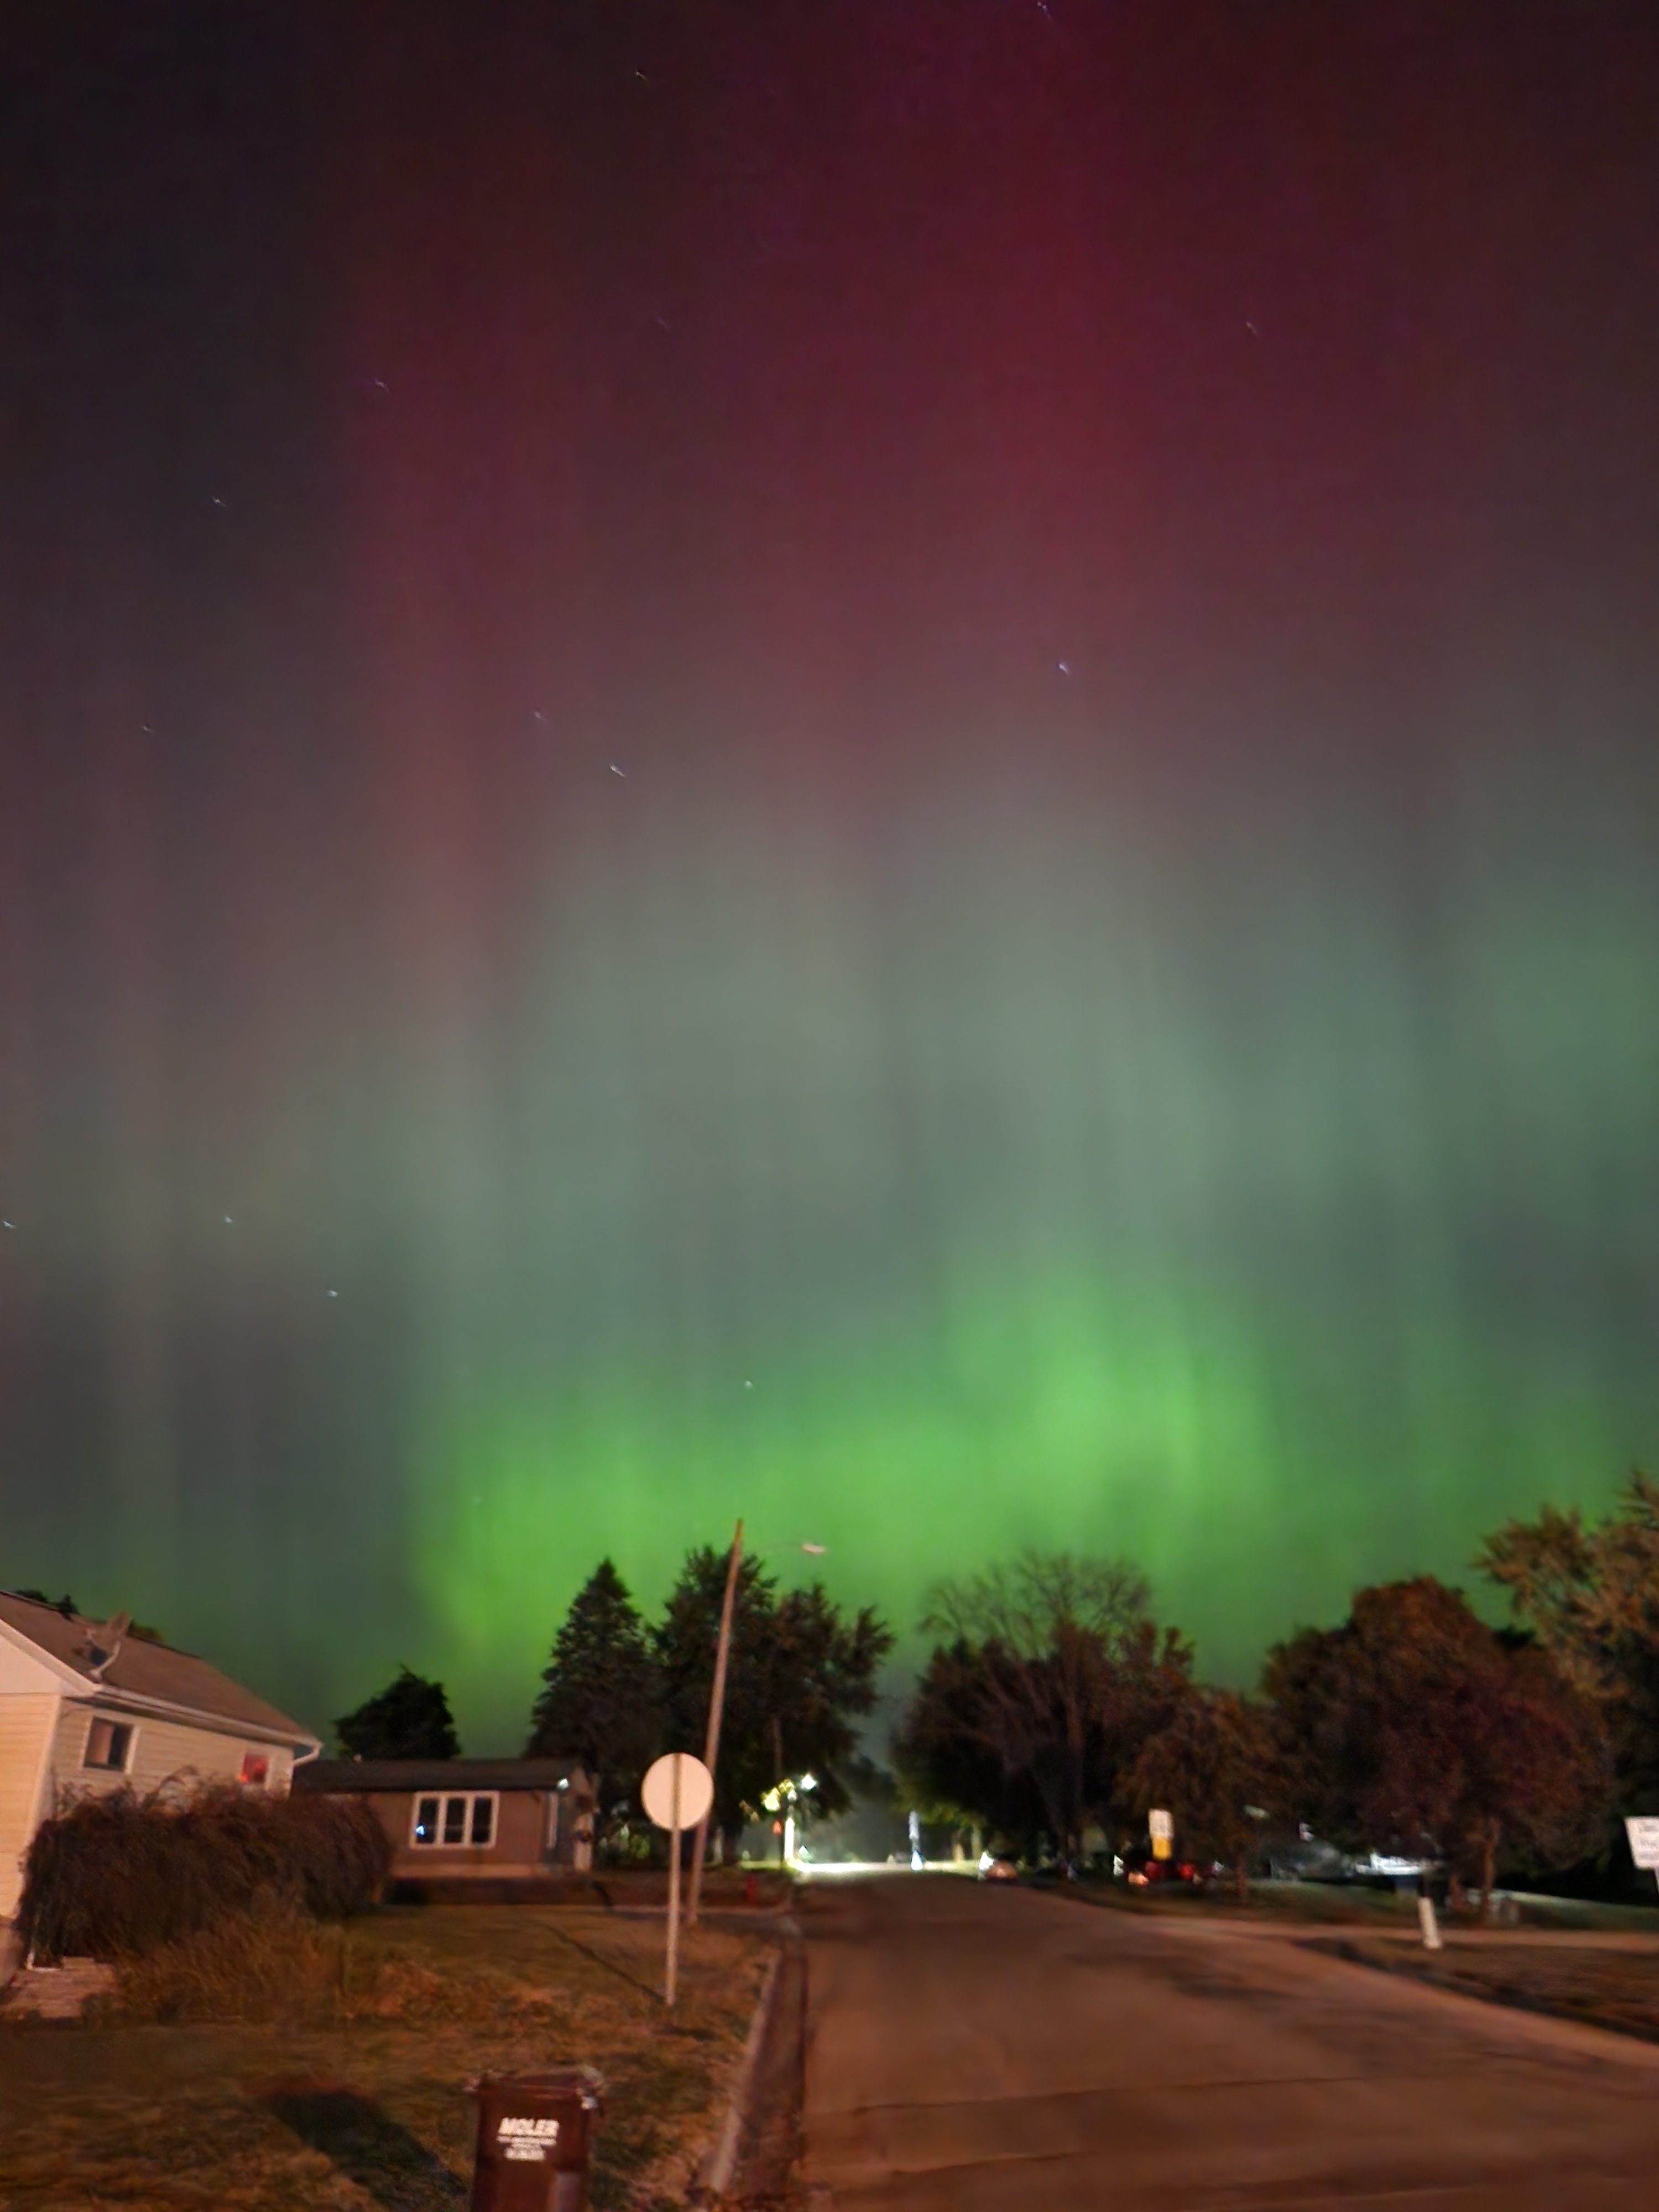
column 1349, row 1904
column 1352, row 1905
column 1607, row 1983
column 345, row 2087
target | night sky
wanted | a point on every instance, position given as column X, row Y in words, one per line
column 894, row 767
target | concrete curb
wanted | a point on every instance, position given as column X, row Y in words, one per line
column 714, row 2178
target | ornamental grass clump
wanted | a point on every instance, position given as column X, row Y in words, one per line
column 267, row 1964
column 120, row 1875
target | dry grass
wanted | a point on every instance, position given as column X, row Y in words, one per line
column 1340, row 1905
column 286, row 2066
column 1357, row 1905
column 1602, row 1986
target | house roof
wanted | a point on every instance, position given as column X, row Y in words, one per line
column 146, row 1672
column 342, row 1777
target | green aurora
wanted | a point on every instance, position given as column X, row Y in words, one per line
column 923, row 1189
column 1266, row 1294
column 899, row 778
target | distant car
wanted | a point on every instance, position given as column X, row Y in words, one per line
column 1308, row 1858
column 992, row 1869
column 1141, row 1870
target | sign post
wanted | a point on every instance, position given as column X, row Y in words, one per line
column 1160, row 1826
column 676, row 1792
column 1644, row 1833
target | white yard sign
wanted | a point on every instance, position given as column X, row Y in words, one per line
column 1644, row 1843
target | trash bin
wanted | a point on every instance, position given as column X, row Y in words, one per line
column 535, row 2138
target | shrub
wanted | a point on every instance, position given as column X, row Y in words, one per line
column 343, row 1853
column 116, row 1876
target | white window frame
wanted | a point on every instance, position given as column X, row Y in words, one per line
column 110, row 1721
column 445, row 1798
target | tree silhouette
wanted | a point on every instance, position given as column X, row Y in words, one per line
column 601, row 1701
column 1414, row 1723
column 948, row 1761
column 801, row 1674
column 408, row 1719
column 1590, row 1596
column 1053, row 1676
column 1213, row 1762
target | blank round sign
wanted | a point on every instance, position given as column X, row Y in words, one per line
column 697, row 1789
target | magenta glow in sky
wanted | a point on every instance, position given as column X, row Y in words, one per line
column 897, row 776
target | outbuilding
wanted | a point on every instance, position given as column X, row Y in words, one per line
column 470, row 1821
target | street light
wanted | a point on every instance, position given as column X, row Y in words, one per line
column 783, row 1797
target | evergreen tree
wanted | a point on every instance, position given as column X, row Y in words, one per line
column 600, row 1703
column 408, row 1719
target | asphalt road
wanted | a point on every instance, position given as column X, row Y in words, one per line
column 970, row 2046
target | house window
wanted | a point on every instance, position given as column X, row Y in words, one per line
column 256, row 1769
column 109, row 1746
column 453, row 1822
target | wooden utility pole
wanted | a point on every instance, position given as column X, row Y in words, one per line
column 716, row 1706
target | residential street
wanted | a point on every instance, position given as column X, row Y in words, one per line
column 971, row 2047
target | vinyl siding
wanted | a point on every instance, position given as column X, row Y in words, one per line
column 521, row 1845
column 26, row 1727
column 162, row 1751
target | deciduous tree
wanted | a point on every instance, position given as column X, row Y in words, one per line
column 1415, row 1722
column 1589, row 1593
column 947, row 1763
column 1214, row 1765
column 801, row 1675
column 408, row 1719
column 1053, row 1673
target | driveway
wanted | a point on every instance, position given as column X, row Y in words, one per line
column 971, row 2047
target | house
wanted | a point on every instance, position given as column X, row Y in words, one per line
column 469, row 1821
column 88, row 1706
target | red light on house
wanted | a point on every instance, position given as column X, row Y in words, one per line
column 256, row 1769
